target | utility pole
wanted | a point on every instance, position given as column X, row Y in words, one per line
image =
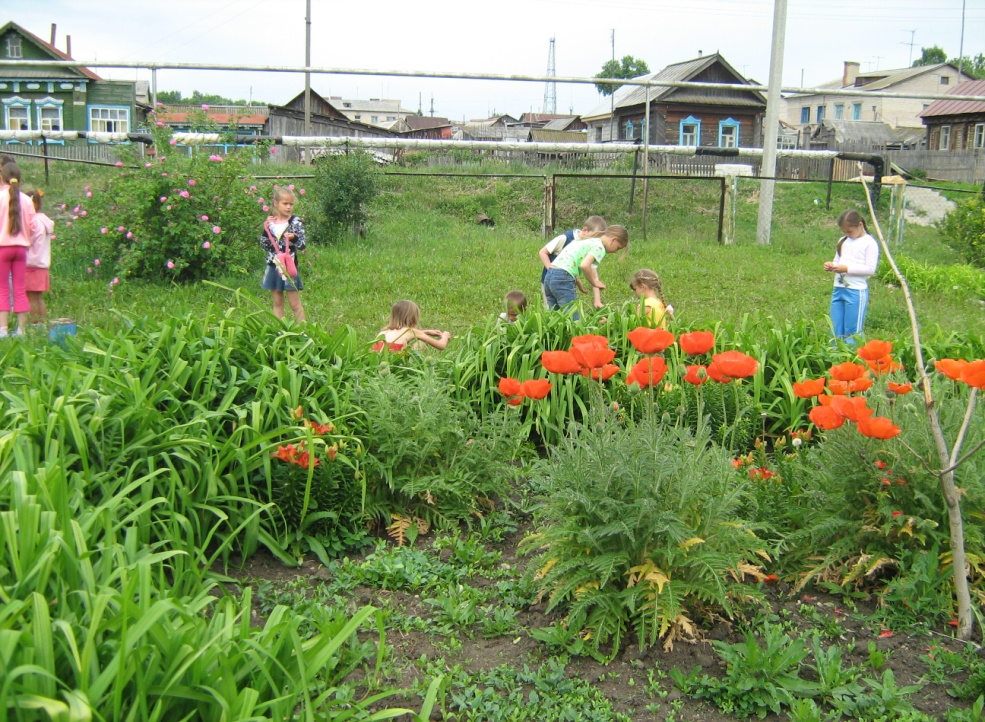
column 550, row 87
column 768, row 169
column 307, row 74
column 961, row 44
column 612, row 95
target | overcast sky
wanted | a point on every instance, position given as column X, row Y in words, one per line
column 504, row 37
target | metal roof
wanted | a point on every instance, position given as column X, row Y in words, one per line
column 883, row 79
column 958, row 107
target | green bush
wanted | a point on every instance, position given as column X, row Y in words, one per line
column 344, row 185
column 964, row 229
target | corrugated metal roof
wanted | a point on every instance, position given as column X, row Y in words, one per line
column 219, row 118
column 889, row 78
column 958, row 107
column 630, row 95
column 869, row 131
column 424, row 122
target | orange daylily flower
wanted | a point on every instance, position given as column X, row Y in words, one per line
column 825, row 417
column 650, row 340
column 847, row 371
column 696, row 375
column 878, row 427
column 286, row 453
column 592, row 357
column 536, row 388
column 900, row 389
column 590, row 339
column 602, row 374
column 696, row 342
column 647, row 372
column 560, row 362
column 852, row 408
column 735, row 364
column 875, row 350
column 974, row 374
column 859, row 385
column 808, row 389
column 510, row 387
column 298, row 413
column 883, row 365
column 333, row 451
column 952, row 368
column 320, row 429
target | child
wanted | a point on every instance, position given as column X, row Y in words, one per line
column 516, row 303
column 646, row 285
column 856, row 258
column 16, row 223
column 281, row 231
column 39, row 261
column 581, row 258
column 593, row 227
column 402, row 331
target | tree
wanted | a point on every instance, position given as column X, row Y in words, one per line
column 174, row 97
column 973, row 66
column 931, row 56
column 628, row 67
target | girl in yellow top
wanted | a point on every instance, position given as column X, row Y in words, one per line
column 647, row 287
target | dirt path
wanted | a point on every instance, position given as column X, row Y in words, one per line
column 925, row 206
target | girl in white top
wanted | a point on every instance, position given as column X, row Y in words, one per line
column 856, row 258
column 37, row 281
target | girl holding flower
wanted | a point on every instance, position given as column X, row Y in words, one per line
column 282, row 232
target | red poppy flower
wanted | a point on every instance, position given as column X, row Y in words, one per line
column 838, row 388
column 880, row 464
column 885, row 634
column 952, row 368
column 897, row 513
column 648, row 372
column 878, row 427
column 825, row 417
column 515, row 401
column 847, row 371
column 825, row 399
column 900, row 389
column 650, row 340
column 875, row 350
column 590, row 340
column 714, row 372
column 809, row 389
column 603, row 374
column 852, row 408
column 974, row 374
column 860, row 385
column 510, row 387
column 883, row 365
column 736, row 364
column 696, row 342
column 560, row 362
column 770, row 578
column 696, row 375
column 885, row 482
column 536, row 388
column 592, row 357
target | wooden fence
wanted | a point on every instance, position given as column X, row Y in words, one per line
column 91, row 152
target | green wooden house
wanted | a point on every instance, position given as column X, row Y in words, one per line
column 58, row 98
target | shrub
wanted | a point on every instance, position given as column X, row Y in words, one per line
column 344, row 185
column 964, row 229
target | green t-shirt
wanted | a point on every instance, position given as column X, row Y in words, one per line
column 574, row 253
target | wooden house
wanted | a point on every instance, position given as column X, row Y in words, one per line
column 423, row 126
column 955, row 125
column 58, row 98
column 683, row 116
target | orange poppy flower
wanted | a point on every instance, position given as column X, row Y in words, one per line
column 696, row 375
column 951, row 368
column 536, row 388
column 860, row 385
column 825, row 399
column 852, row 408
column 808, row 389
column 592, row 357
column 603, row 374
column 515, row 401
column 839, row 388
column 560, row 362
column 647, row 372
column 650, row 340
column 974, row 374
column 825, row 417
column 735, row 364
column 847, row 371
column 875, row 350
column 714, row 372
column 510, row 387
column 696, row 342
column 883, row 365
column 590, row 340
column 878, row 427
column 900, row 389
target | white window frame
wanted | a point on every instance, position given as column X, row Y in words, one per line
column 694, row 136
column 15, row 49
column 728, row 133
column 944, row 142
column 979, row 136
column 16, row 102
column 839, row 111
column 46, row 103
column 125, row 110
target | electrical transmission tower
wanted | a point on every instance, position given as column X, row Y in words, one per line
column 550, row 88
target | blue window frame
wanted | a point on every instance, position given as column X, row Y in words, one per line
column 805, row 115
column 689, row 131
column 728, row 133
column 820, row 114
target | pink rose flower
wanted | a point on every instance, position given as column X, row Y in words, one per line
column 121, row 229
column 148, row 165
column 75, row 218
column 253, row 188
column 191, row 181
column 89, row 269
column 168, row 208
column 63, row 206
column 172, row 142
column 160, row 124
column 69, row 224
column 95, row 262
column 162, row 199
column 273, row 150
column 291, row 187
column 302, row 191
column 170, row 265
column 118, row 164
column 205, row 218
column 265, row 209
column 116, row 281
column 88, row 194
column 185, row 194
column 103, row 230
column 259, row 200
column 160, row 105
column 216, row 230
column 84, row 213
column 206, row 245
column 87, row 188
column 205, row 107
column 129, row 234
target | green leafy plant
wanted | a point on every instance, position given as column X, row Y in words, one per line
column 344, row 184
column 964, row 229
